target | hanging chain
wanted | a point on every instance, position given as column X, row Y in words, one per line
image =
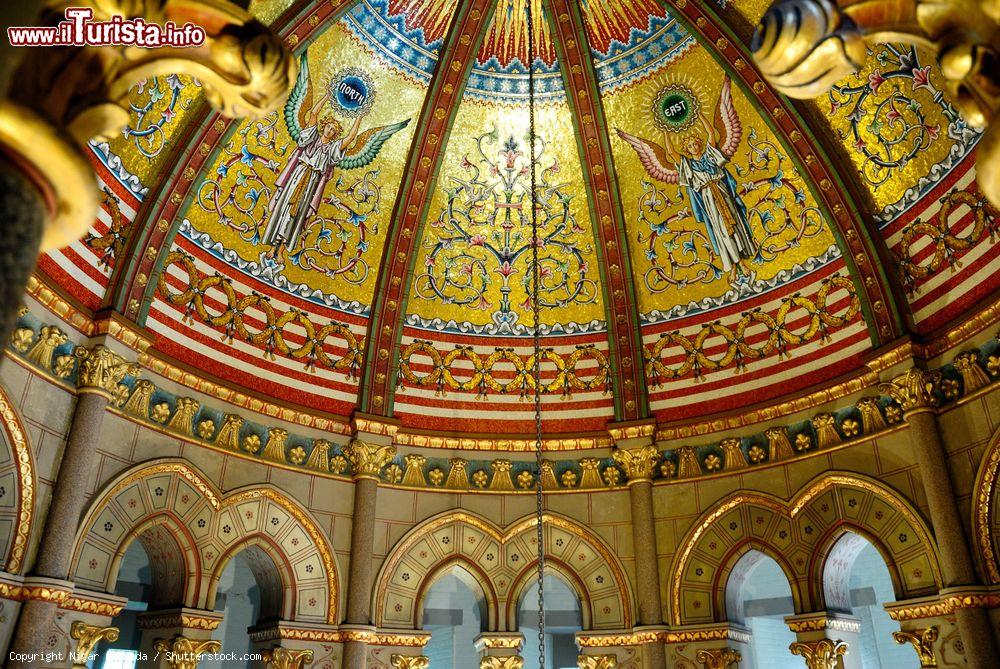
column 536, row 314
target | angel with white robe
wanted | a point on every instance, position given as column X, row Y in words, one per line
column 699, row 165
column 298, row 192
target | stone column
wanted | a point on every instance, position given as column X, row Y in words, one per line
column 169, row 635
column 914, row 392
column 500, row 650
column 367, row 460
column 100, row 371
column 638, row 462
column 842, row 631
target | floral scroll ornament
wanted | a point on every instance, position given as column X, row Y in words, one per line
column 482, row 240
column 805, row 47
column 154, row 103
column 887, row 123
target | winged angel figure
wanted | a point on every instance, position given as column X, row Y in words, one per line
column 699, row 164
column 322, row 147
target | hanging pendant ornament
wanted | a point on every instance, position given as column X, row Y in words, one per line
column 536, row 313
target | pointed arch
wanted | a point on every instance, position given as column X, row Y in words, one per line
column 801, row 531
column 18, row 466
column 207, row 528
column 501, row 559
column 985, row 519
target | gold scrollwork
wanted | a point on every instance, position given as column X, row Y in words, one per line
column 88, row 636
column 718, row 658
column 285, row 658
column 822, row 654
column 184, row 653
column 922, row 641
column 409, row 661
column 101, row 369
column 507, row 662
column 367, row 460
column 597, row 661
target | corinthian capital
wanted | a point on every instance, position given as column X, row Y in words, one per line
column 638, row 463
column 822, row 654
column 367, row 460
column 63, row 96
column 101, row 369
column 409, row 662
column 914, row 389
column 283, row 658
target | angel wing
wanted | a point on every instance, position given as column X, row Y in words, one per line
column 368, row 144
column 652, row 156
column 727, row 121
column 301, row 94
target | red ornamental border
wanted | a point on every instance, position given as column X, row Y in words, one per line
column 626, row 358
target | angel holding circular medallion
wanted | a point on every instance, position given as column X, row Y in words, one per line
column 697, row 158
column 322, row 148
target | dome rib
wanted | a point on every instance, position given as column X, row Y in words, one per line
column 625, row 355
column 882, row 307
column 457, row 56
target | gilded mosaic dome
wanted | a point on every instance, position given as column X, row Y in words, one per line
column 706, row 247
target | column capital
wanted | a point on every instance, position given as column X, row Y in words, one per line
column 718, row 658
column 497, row 662
column 184, row 653
column 409, row 661
column 286, row 658
column 597, row 661
column 821, row 654
column 367, row 460
column 913, row 390
column 638, row 463
column 88, row 636
column 922, row 641
column 101, row 369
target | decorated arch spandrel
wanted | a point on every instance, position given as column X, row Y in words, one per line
column 17, row 487
column 208, row 528
column 499, row 560
column 797, row 533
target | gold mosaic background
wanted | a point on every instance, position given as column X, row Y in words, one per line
column 554, row 125
column 910, row 112
column 397, row 99
column 145, row 155
column 267, row 11
column 628, row 109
